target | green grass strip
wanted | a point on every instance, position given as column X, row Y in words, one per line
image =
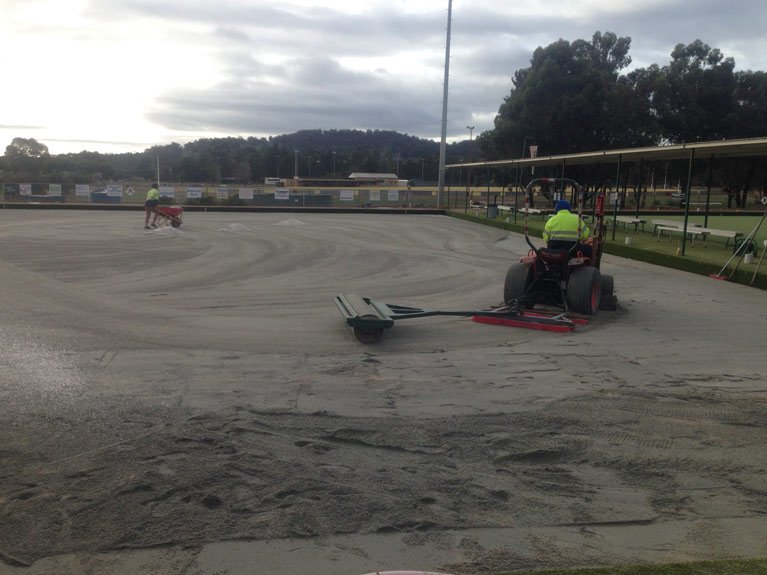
column 697, row 259
column 723, row 567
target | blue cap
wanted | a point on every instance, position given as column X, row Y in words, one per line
column 562, row 205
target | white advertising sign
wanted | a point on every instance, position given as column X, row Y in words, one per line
column 194, row 193
column 222, row 193
column 245, row 193
column 82, row 190
column 25, row 189
column 54, row 189
column 167, row 192
column 347, row 195
column 393, row 195
column 115, row 190
column 375, row 195
column 281, row 194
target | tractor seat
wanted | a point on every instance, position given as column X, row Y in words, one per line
column 554, row 256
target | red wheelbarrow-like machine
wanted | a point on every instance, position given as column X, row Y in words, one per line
column 169, row 215
column 548, row 289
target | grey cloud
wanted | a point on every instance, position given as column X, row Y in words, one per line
column 489, row 44
column 318, row 94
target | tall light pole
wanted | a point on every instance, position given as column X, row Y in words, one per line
column 278, row 166
column 295, row 164
column 443, row 140
column 334, row 165
column 471, row 130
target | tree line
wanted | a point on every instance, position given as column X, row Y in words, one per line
column 574, row 98
column 328, row 154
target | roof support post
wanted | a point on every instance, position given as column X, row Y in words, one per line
column 516, row 191
column 562, row 175
column 687, row 193
column 708, row 188
column 487, row 203
column 640, row 182
column 503, row 186
column 617, row 193
column 468, row 185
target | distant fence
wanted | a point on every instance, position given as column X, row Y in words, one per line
column 426, row 197
column 213, row 195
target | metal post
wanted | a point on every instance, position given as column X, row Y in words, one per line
column 443, row 140
column 516, row 195
column 639, row 186
column 617, row 193
column 687, row 200
column 468, row 183
column 487, row 203
column 519, row 165
column 708, row 189
column 503, row 186
column 562, row 183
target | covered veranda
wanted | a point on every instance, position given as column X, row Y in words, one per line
column 623, row 158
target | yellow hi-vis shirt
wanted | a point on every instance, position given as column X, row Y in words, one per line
column 563, row 226
column 153, row 194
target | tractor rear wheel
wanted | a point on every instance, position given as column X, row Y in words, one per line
column 518, row 279
column 584, row 290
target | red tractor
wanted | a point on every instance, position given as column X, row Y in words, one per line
column 569, row 279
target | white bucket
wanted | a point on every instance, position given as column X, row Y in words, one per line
column 748, row 258
column 627, row 241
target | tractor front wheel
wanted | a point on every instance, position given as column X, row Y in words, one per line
column 584, row 290
column 609, row 301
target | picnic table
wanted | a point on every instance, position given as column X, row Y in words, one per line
column 531, row 211
column 670, row 224
column 727, row 234
column 692, row 232
column 626, row 221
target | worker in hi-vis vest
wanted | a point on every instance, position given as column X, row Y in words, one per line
column 564, row 229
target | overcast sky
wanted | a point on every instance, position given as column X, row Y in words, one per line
column 123, row 75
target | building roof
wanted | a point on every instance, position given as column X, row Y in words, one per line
column 372, row 176
column 701, row 150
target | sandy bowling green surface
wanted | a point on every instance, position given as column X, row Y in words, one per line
column 190, row 401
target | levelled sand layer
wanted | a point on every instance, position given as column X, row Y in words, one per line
column 190, row 401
